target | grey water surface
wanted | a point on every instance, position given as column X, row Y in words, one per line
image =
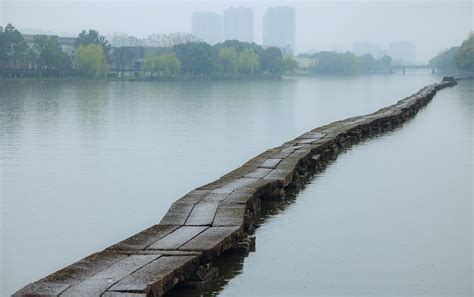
column 87, row 164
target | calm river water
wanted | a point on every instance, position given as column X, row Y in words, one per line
column 86, row 164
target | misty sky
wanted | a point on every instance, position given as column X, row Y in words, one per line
column 320, row 25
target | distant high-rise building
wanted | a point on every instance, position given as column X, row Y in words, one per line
column 208, row 26
column 361, row 48
column 279, row 27
column 238, row 24
column 403, row 51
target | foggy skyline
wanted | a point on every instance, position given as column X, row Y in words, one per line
column 320, row 25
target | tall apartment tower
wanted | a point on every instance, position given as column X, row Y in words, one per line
column 279, row 27
column 208, row 26
column 238, row 24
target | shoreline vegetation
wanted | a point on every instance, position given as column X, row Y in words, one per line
column 90, row 56
column 457, row 59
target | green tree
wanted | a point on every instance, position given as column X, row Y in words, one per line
column 228, row 61
column 289, row 64
column 49, row 53
column 249, row 63
column 164, row 65
column 91, row 59
column 122, row 57
column 196, row 58
column 367, row 63
column 385, row 61
column 271, row 60
column 465, row 54
column 446, row 60
column 12, row 47
column 93, row 37
column 351, row 64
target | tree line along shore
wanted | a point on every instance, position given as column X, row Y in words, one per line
column 185, row 57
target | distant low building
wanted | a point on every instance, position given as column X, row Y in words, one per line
column 403, row 52
column 306, row 63
column 67, row 43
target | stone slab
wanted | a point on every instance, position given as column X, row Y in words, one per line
column 210, row 239
column 177, row 238
column 281, row 175
column 230, row 215
column 103, row 280
column 258, row 173
column 142, row 240
column 288, row 164
column 123, row 294
column 283, row 153
column 157, row 277
column 240, row 196
column 237, row 184
column 270, row 163
column 256, row 161
column 56, row 283
column 177, row 214
column 202, row 214
column 215, row 197
column 42, row 289
column 194, row 196
column 312, row 135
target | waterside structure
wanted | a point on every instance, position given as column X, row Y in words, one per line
column 218, row 217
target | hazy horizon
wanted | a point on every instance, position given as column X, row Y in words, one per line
column 320, row 25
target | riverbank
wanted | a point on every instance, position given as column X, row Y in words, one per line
column 143, row 78
column 215, row 217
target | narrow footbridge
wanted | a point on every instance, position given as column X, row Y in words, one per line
column 216, row 217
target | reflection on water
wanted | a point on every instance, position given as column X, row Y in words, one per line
column 86, row 164
column 393, row 216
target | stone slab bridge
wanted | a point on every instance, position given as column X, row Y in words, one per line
column 216, row 217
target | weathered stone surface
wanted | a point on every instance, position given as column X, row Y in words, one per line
column 312, row 135
column 301, row 154
column 210, row 239
column 263, row 185
column 306, row 140
column 270, row 163
column 258, row 173
column 100, row 282
column 283, row 153
column 59, row 281
column 256, row 161
column 240, row 196
column 237, row 184
column 281, row 175
column 123, row 294
column 236, row 173
column 42, row 289
column 215, row 197
column 156, row 252
column 142, row 240
column 230, row 215
column 177, row 238
column 177, row 214
column 288, row 164
column 193, row 197
column 202, row 214
column 157, row 277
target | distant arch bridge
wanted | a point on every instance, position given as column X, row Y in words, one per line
column 404, row 68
